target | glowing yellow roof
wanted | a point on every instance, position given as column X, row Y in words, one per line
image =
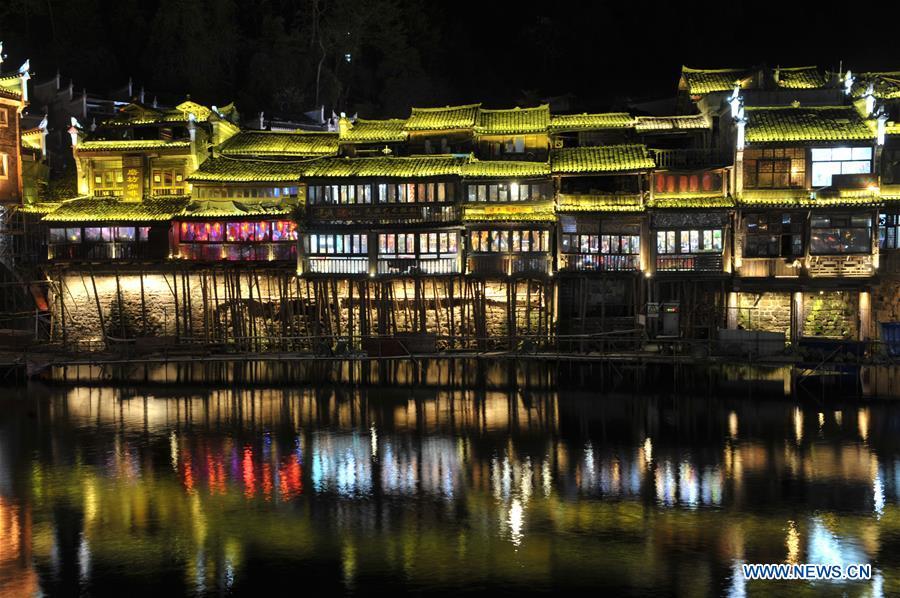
column 387, row 166
column 235, row 170
column 375, row 131
column 121, row 145
column 703, row 81
column 281, row 144
column 448, row 117
column 584, row 122
column 607, row 158
column 513, row 121
column 808, row 123
column 504, row 169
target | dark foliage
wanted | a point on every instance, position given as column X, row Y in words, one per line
column 377, row 57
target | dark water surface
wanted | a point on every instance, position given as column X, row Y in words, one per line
column 172, row 490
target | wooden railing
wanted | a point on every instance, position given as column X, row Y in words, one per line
column 689, row 262
column 337, row 265
column 690, row 158
column 214, row 252
column 444, row 265
column 840, row 266
column 509, row 264
column 769, row 267
column 593, row 262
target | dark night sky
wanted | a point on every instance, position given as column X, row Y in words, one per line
column 431, row 52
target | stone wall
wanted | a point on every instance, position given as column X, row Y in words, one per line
column 886, row 303
column 768, row 312
column 78, row 319
column 212, row 306
column 831, row 314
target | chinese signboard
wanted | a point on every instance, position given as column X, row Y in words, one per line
column 133, row 171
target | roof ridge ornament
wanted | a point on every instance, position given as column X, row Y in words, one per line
column 736, row 100
column 870, row 98
column 881, row 118
column 848, row 82
column 25, row 75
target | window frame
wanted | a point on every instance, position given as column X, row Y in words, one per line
column 755, row 229
column 676, row 239
column 816, row 223
column 796, row 167
column 502, row 240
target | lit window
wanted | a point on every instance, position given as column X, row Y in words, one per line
column 840, row 234
column 827, row 162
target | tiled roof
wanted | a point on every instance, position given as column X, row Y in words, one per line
column 585, row 122
column 885, row 85
column 139, row 114
column 542, row 211
column 672, row 123
column 847, row 197
column 504, row 169
column 281, row 144
column 32, row 138
column 38, row 207
column 11, row 86
column 599, row 203
column 121, row 145
column 607, row 158
column 804, row 199
column 110, row 209
column 376, row 131
column 692, row 201
column 449, row 117
column 804, row 77
column 224, row 208
column 810, row 123
column 415, row 166
column 513, row 121
column 773, row 197
column 234, row 170
column 702, row 81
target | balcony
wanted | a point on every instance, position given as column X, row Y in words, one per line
column 337, row 265
column 507, row 264
column 593, row 262
column 103, row 251
column 411, row 266
column 689, row 262
column 233, row 252
column 394, row 213
column 689, row 159
column 776, row 267
column 840, row 266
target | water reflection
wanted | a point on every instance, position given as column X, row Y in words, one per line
column 230, row 490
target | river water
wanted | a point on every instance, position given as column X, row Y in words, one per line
column 183, row 489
